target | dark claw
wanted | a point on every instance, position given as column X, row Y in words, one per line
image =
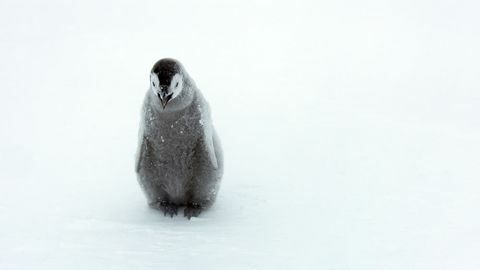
column 192, row 210
column 167, row 208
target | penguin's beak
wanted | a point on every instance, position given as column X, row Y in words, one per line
column 164, row 100
column 164, row 103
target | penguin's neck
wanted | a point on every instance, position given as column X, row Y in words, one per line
column 176, row 107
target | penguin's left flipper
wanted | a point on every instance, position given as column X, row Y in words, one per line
column 209, row 146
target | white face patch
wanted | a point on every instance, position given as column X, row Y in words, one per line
column 154, row 83
column 176, row 86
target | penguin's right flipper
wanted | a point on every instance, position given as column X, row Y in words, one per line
column 141, row 152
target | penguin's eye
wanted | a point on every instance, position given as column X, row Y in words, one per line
column 176, row 85
column 153, row 83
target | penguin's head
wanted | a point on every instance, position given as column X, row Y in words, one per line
column 167, row 80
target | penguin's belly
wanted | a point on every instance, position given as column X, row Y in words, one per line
column 174, row 155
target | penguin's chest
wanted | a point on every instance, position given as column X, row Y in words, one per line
column 174, row 144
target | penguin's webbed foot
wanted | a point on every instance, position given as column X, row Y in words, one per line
column 192, row 210
column 167, row 208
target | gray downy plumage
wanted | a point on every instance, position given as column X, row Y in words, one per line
column 179, row 158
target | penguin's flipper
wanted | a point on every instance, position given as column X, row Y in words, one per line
column 208, row 142
column 141, row 150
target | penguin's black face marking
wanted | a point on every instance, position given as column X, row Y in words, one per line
column 167, row 80
column 165, row 69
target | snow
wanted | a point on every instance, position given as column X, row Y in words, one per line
column 350, row 130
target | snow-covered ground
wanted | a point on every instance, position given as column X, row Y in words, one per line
column 351, row 133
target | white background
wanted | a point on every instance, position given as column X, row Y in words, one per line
column 351, row 133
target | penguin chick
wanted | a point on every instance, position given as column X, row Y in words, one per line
column 179, row 159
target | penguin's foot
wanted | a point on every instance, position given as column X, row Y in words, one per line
column 192, row 210
column 167, row 208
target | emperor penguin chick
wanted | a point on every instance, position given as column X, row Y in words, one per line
column 179, row 159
